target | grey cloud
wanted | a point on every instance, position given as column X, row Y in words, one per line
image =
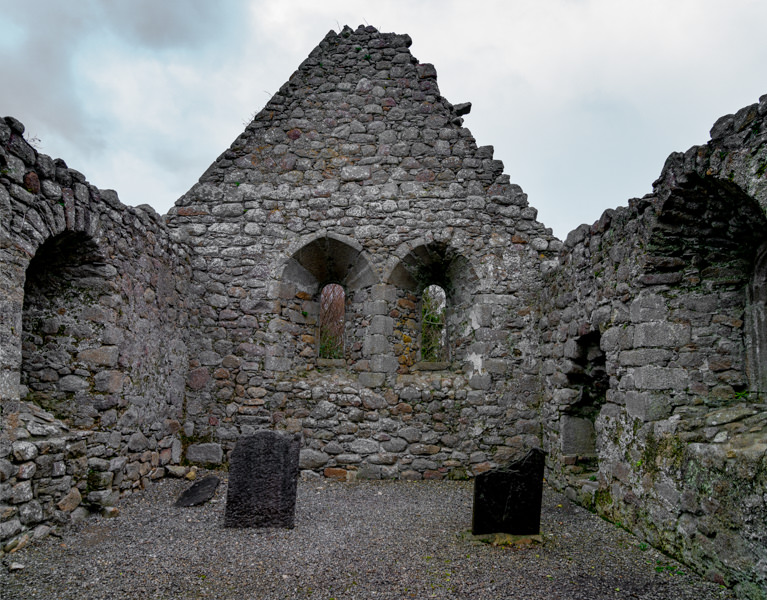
column 171, row 24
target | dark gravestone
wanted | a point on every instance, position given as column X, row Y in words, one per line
column 508, row 499
column 263, row 474
column 199, row 493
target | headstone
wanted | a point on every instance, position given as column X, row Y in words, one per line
column 508, row 499
column 199, row 492
column 263, row 475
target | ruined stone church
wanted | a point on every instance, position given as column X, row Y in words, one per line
column 354, row 268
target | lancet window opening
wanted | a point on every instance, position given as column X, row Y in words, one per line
column 434, row 346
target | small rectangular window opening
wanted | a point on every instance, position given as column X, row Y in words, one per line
column 433, row 329
column 332, row 307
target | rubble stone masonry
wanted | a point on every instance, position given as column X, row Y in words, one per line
column 134, row 345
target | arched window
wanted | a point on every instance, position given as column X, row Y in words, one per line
column 433, row 325
column 332, row 309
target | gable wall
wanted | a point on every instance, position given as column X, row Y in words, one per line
column 358, row 172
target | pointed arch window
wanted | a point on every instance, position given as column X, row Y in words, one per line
column 331, row 324
column 434, row 347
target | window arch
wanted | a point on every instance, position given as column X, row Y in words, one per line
column 63, row 353
column 331, row 321
column 417, row 271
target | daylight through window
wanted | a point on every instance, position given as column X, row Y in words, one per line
column 332, row 307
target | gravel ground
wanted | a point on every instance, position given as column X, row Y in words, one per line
column 361, row 540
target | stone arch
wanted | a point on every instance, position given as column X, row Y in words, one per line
column 709, row 239
column 66, row 356
column 27, row 230
column 708, row 228
column 314, row 263
column 327, row 257
column 420, row 265
column 430, row 262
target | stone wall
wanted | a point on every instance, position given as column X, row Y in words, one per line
column 93, row 359
column 633, row 352
column 651, row 328
column 358, row 172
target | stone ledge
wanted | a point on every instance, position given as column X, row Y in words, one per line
column 431, row 366
column 331, row 362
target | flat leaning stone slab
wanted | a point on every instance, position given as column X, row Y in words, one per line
column 199, row 492
column 263, row 476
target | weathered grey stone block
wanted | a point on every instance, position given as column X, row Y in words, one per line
column 372, row 380
column 355, row 173
column 648, row 307
column 324, row 410
column 660, row 378
column 104, row 356
column 10, row 528
column 312, row 459
column 137, row 442
column 23, row 451
column 73, row 383
column 577, row 436
column 374, row 345
column 22, row 492
column 410, row 434
column 384, row 364
column 395, row 444
column 205, row 453
column 31, row 513
column 661, row 334
column 647, row 406
column 617, row 338
column 644, row 356
column 382, row 325
column 364, row 446
column 481, row 381
column 277, row 363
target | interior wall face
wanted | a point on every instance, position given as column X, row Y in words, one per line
column 670, row 288
column 358, row 172
column 93, row 310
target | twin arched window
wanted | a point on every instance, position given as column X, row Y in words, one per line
column 434, row 347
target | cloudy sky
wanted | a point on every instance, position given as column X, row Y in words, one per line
column 582, row 99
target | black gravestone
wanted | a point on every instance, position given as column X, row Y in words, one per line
column 508, row 498
column 199, row 493
column 263, row 474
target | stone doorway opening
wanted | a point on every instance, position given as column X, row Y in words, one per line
column 589, row 381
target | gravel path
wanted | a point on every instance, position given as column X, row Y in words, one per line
column 364, row 540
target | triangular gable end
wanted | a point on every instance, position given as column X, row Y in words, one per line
column 360, row 112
